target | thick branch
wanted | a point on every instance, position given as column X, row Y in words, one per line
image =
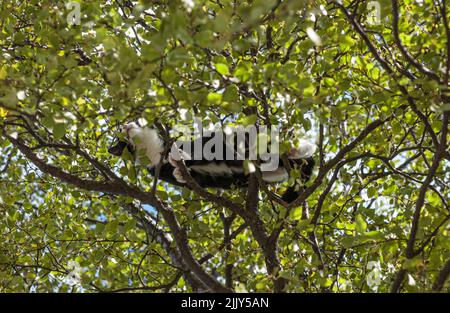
column 160, row 237
column 410, row 252
column 442, row 277
column 398, row 281
column 116, row 188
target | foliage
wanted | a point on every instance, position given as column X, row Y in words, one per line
column 372, row 94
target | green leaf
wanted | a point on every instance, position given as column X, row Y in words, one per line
column 231, row 94
column 59, row 130
column 3, row 73
column 214, row 98
column 361, row 225
column 48, row 121
column 249, row 120
column 222, row 68
column 349, row 241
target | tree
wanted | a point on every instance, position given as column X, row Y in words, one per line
column 371, row 88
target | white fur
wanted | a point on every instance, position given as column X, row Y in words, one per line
column 147, row 139
column 213, row 169
column 178, row 175
column 305, row 149
column 175, row 156
column 279, row 175
column 237, row 169
column 144, row 138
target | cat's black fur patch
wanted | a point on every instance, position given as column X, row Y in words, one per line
column 217, row 180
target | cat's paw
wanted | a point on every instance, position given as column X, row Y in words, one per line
column 178, row 175
column 173, row 159
column 176, row 156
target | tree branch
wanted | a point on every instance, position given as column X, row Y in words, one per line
column 117, row 188
column 405, row 52
column 442, row 277
column 410, row 252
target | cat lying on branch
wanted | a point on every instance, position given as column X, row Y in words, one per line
column 213, row 172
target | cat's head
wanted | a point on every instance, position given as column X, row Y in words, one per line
column 304, row 150
column 124, row 141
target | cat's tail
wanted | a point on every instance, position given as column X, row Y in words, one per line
column 291, row 194
column 306, row 168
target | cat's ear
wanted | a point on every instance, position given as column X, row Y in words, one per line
column 141, row 122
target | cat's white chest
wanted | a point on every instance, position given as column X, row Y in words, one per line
column 147, row 140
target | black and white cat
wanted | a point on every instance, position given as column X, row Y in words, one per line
column 224, row 173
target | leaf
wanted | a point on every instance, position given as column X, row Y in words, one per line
column 113, row 226
column 231, row 94
column 372, row 192
column 59, row 130
column 243, row 71
column 10, row 98
column 349, row 241
column 296, row 213
column 371, row 236
column 214, row 97
column 3, row 113
column 48, row 121
column 249, row 120
column 132, row 173
column 3, row 73
column 361, row 225
column 222, row 68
